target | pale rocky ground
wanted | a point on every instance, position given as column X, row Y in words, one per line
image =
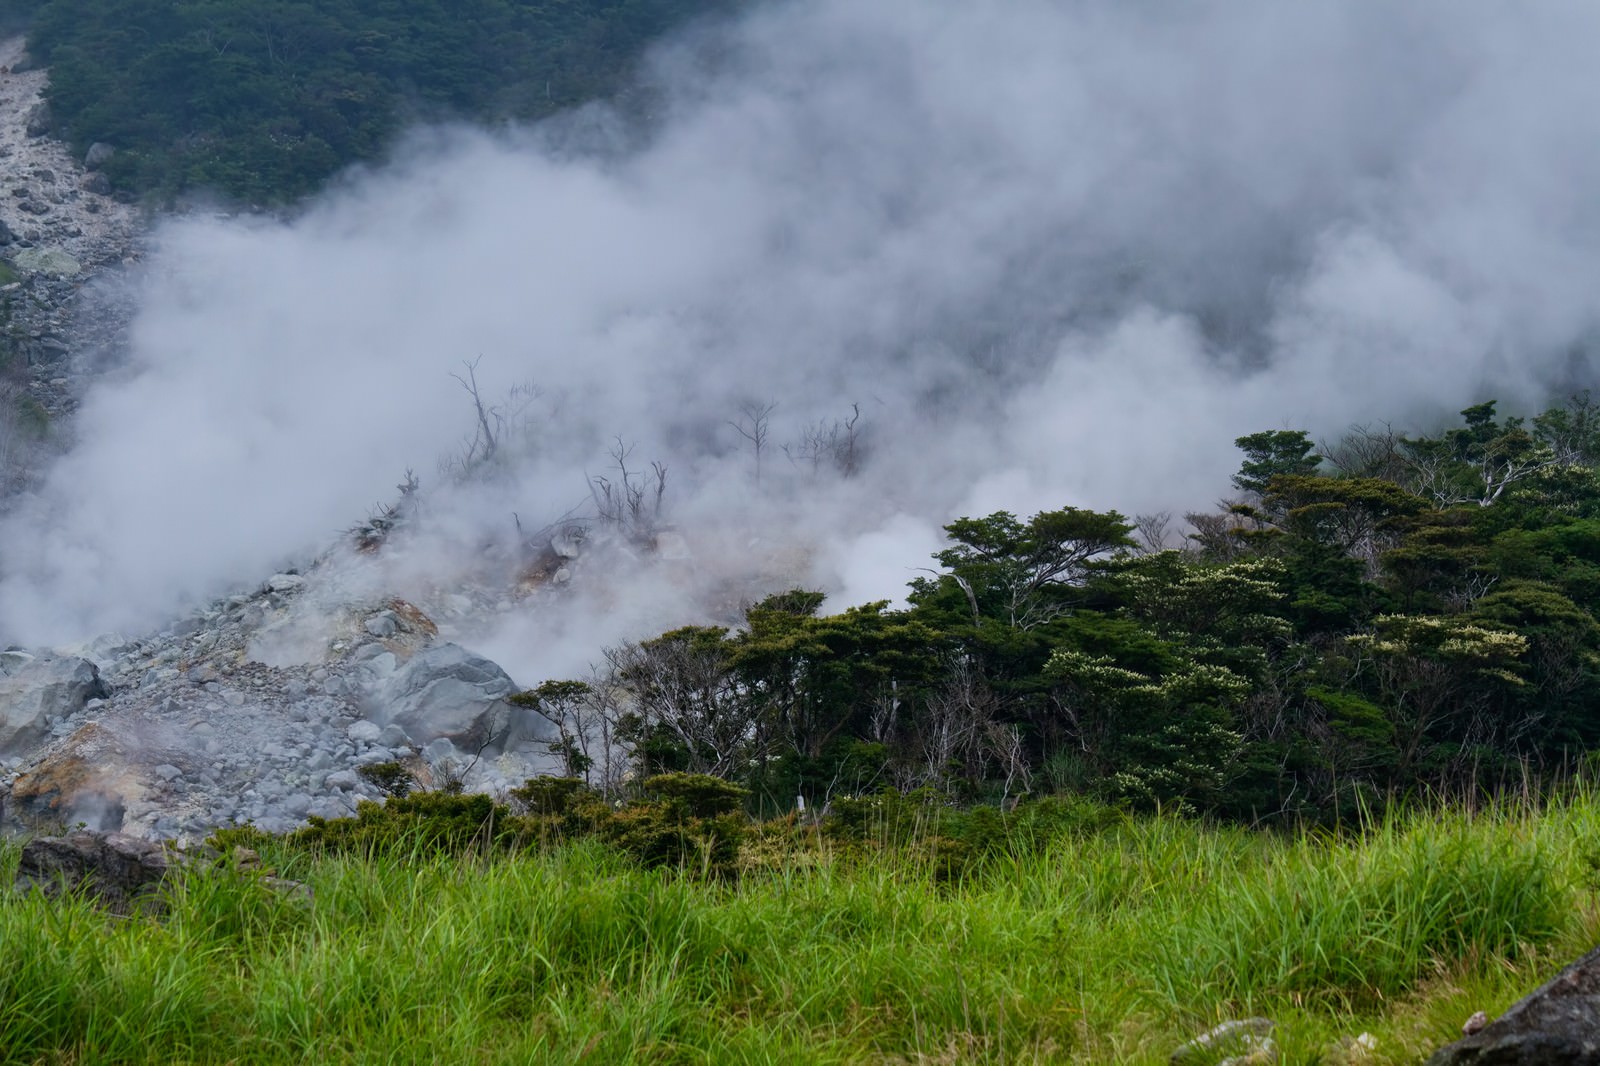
column 39, row 171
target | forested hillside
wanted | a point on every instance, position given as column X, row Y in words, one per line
column 1381, row 616
column 264, row 99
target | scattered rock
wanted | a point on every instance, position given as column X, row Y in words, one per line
column 98, row 155
column 1239, row 1042
column 284, row 582
column 14, row 659
column 364, row 732
column 1352, row 1051
column 126, row 874
column 1558, row 1023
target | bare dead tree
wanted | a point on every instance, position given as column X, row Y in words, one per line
column 484, row 441
column 950, row 732
column 1152, row 531
column 659, row 471
column 633, row 500
column 834, row 445
column 754, row 425
column 1218, row 536
column 386, row 518
column 450, row 774
column 492, row 422
column 885, row 715
column 682, row 685
column 1004, row 744
column 608, row 703
column 847, row 454
column 1368, row 451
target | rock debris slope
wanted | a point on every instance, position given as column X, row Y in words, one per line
column 263, row 707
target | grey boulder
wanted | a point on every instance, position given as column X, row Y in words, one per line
column 40, row 120
column 447, row 692
column 37, row 694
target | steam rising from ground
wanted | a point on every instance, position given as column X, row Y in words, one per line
column 1056, row 252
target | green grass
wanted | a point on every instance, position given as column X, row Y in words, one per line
column 1111, row 945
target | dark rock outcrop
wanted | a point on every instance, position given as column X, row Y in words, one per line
column 1556, row 1025
column 122, row 872
column 126, row 874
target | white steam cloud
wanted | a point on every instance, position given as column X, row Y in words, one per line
column 1057, row 252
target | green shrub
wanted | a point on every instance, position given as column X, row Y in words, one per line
column 552, row 795
column 693, row 823
column 394, row 778
column 887, row 818
column 424, row 822
column 696, row 795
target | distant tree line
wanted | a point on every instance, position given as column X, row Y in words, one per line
column 262, row 100
column 1379, row 616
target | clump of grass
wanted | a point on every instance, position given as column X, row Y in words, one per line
column 1352, row 924
column 1102, row 939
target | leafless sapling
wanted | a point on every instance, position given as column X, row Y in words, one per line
column 754, row 425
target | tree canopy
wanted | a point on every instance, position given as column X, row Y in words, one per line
column 263, row 100
column 1421, row 619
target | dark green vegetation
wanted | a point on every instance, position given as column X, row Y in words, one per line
column 1081, row 935
column 1386, row 617
column 264, row 99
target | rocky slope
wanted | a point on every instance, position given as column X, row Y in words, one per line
column 60, row 231
column 263, row 707
column 260, row 708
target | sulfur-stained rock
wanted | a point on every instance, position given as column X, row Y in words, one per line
column 90, row 778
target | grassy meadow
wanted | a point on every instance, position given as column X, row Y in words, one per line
column 1110, row 944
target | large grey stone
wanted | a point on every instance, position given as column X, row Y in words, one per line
column 40, row 692
column 1240, row 1042
column 1558, row 1023
column 98, row 155
column 46, row 261
column 448, row 692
